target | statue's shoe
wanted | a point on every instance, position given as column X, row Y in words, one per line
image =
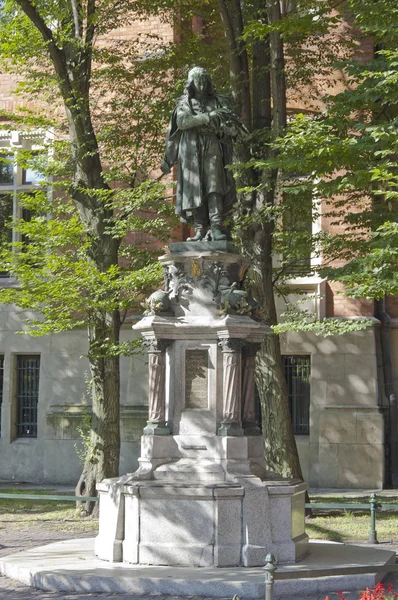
column 217, row 235
column 199, row 235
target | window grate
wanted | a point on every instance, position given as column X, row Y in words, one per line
column 1, row 385
column 28, row 368
column 297, row 373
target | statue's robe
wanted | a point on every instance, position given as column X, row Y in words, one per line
column 201, row 148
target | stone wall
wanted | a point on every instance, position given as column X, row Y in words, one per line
column 53, row 456
column 345, row 447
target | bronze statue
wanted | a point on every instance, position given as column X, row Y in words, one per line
column 200, row 137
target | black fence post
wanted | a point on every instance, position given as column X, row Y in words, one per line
column 270, row 568
column 373, row 507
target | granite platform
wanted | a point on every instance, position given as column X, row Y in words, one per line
column 71, row 566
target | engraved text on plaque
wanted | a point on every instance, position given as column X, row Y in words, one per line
column 196, row 379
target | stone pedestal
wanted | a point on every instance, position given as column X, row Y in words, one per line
column 200, row 525
column 201, row 495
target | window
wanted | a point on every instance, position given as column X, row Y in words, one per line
column 6, row 169
column 30, row 176
column 298, row 231
column 16, row 178
column 6, row 202
column 27, row 393
column 297, row 373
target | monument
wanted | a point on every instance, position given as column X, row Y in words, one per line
column 201, row 495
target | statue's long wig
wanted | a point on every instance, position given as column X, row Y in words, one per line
column 189, row 91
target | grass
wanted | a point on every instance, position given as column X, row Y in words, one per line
column 344, row 525
column 54, row 514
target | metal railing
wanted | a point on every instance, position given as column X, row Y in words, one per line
column 270, row 569
column 49, row 497
column 372, row 506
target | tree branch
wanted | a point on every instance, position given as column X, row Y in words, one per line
column 233, row 27
column 36, row 19
column 57, row 54
column 90, row 27
column 76, row 20
column 277, row 69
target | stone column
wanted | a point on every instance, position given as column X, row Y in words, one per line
column 232, row 387
column 249, row 416
column 156, row 424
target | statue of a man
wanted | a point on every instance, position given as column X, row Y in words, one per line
column 199, row 139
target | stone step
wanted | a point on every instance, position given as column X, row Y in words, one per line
column 71, row 566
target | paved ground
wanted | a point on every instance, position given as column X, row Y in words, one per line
column 13, row 539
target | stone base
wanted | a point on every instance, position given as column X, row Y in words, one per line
column 228, row 524
column 251, row 428
column 230, row 429
column 70, row 566
column 203, row 247
column 155, row 428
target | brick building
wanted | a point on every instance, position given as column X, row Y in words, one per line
column 340, row 388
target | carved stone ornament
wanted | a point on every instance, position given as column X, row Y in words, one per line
column 156, row 406
column 177, row 281
column 158, row 302
column 233, row 300
column 227, row 293
column 212, row 278
column 248, row 385
column 195, row 268
column 231, row 386
column 156, row 387
column 156, row 345
column 231, row 345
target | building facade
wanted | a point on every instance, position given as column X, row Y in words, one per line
column 341, row 387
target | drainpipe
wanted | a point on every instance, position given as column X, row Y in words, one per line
column 390, row 409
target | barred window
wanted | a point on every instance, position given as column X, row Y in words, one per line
column 297, row 373
column 28, row 369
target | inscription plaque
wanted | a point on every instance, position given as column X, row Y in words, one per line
column 196, row 379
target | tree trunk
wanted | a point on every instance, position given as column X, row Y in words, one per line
column 280, row 445
column 102, row 460
column 268, row 88
column 72, row 62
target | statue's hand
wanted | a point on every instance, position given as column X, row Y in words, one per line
column 229, row 129
column 215, row 121
column 165, row 168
